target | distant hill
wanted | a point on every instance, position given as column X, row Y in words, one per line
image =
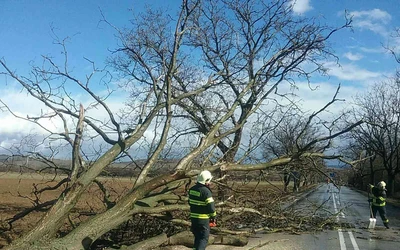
column 31, row 165
column 4, row 157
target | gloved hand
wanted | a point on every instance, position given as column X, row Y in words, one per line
column 213, row 222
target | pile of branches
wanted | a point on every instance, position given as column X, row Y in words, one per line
column 238, row 217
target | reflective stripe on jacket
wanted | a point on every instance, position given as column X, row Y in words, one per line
column 378, row 197
column 201, row 202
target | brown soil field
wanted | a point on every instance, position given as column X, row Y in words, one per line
column 17, row 194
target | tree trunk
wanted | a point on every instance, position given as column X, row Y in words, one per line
column 390, row 184
column 186, row 238
column 372, row 172
column 150, row 243
column 88, row 231
column 286, row 181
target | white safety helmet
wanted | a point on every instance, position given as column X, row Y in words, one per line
column 382, row 184
column 204, row 177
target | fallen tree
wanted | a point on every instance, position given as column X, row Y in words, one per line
column 197, row 94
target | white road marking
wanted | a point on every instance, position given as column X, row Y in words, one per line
column 340, row 232
column 335, row 207
column 353, row 241
column 341, row 240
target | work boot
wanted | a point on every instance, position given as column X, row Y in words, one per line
column 386, row 225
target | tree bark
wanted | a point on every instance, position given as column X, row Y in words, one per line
column 150, row 243
column 89, row 231
column 186, row 238
column 390, row 184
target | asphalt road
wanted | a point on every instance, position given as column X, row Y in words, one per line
column 349, row 208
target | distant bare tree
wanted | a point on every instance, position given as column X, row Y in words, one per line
column 292, row 135
column 379, row 135
column 198, row 81
column 363, row 172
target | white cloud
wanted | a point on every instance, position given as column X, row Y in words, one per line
column 300, row 6
column 24, row 105
column 375, row 20
column 353, row 57
column 318, row 98
column 350, row 72
column 13, row 130
column 373, row 50
column 312, row 97
column 9, row 124
column 375, row 14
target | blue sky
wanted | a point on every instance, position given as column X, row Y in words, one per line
column 25, row 34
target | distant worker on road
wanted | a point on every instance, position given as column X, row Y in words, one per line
column 202, row 210
column 378, row 200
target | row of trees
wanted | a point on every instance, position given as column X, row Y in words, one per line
column 377, row 141
column 210, row 87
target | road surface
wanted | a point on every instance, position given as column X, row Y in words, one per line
column 349, row 208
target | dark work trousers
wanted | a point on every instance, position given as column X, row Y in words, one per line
column 382, row 213
column 201, row 232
